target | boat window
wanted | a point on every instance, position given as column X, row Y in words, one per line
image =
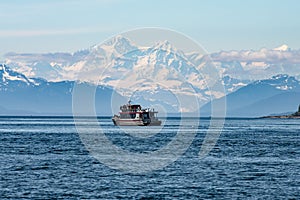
column 132, row 116
column 124, row 116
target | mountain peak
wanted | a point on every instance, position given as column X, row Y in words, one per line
column 283, row 47
column 164, row 45
column 118, row 39
column 118, row 44
column 167, row 47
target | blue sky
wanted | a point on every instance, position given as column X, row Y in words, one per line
column 67, row 26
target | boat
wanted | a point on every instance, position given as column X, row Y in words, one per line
column 135, row 115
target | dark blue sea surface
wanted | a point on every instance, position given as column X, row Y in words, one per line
column 44, row 157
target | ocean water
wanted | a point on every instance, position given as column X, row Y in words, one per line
column 44, row 157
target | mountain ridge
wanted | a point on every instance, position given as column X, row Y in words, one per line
column 39, row 97
column 263, row 97
column 18, row 97
column 161, row 73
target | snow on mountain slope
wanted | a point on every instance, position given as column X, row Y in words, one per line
column 10, row 79
column 160, row 68
column 20, row 95
column 48, row 66
column 261, row 64
column 244, row 64
column 130, row 69
column 134, row 71
column 281, row 82
column 262, row 97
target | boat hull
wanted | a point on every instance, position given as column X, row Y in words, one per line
column 129, row 122
column 134, row 122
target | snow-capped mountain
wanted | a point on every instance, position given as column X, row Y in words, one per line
column 10, row 80
column 156, row 73
column 232, row 84
column 20, row 95
column 48, row 66
column 279, row 94
column 244, row 64
column 161, row 72
column 257, row 65
column 281, row 82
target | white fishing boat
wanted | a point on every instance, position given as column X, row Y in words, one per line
column 135, row 115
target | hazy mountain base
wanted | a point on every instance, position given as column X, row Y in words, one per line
column 20, row 95
column 276, row 95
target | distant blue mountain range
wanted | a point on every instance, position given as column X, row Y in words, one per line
column 20, row 95
column 278, row 94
